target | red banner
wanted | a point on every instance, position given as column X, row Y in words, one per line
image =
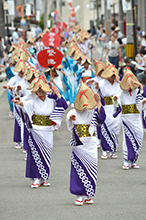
column 51, row 39
column 56, row 30
column 49, row 57
column 62, row 24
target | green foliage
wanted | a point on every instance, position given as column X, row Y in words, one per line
column 41, row 23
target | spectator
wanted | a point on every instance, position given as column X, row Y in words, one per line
column 102, row 40
column 15, row 37
column 119, row 39
column 126, row 64
column 98, row 32
column 1, row 52
column 8, row 43
column 38, row 31
column 93, row 31
column 113, row 51
column 119, row 33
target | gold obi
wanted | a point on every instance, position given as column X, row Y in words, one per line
column 82, row 130
column 129, row 109
column 108, row 100
column 41, row 120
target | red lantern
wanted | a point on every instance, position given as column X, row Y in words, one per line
column 73, row 14
column 70, row 4
column 49, row 57
column 73, row 9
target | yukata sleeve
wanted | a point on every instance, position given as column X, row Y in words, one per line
column 68, row 122
column 58, row 112
column 144, row 92
column 117, row 105
column 97, row 119
column 75, row 67
column 138, row 100
column 25, row 118
column 67, row 87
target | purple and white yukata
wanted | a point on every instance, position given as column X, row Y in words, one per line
column 14, row 81
column 40, row 138
column 132, row 125
column 109, row 130
column 84, row 158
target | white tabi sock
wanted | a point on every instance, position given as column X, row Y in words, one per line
column 79, row 198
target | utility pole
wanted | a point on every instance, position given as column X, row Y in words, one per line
column 121, row 17
column 2, row 22
column 129, row 31
column 134, row 30
column 45, row 16
column 60, row 8
column 97, row 4
column 107, row 18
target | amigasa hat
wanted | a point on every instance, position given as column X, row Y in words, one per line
column 41, row 84
column 126, row 83
column 84, row 99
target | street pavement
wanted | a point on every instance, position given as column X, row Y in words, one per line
column 120, row 194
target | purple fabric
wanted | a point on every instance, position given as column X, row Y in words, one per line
column 25, row 118
column 77, row 186
column 143, row 119
column 62, row 103
column 118, row 110
column 98, row 132
column 36, row 166
column 101, row 97
column 25, row 137
column 17, row 127
column 108, row 142
column 144, row 92
column 52, row 96
column 132, row 144
column 101, row 116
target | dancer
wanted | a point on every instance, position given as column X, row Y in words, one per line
column 46, row 114
column 82, row 122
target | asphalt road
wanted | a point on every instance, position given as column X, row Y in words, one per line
column 120, row 194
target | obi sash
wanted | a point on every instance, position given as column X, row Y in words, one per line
column 108, row 100
column 82, row 130
column 129, row 109
column 42, row 120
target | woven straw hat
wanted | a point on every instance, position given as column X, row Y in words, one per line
column 109, row 71
column 31, row 40
column 20, row 66
column 28, row 67
column 59, row 67
column 84, row 99
column 41, row 84
column 72, row 49
column 78, row 55
column 32, row 84
column 126, row 83
column 74, row 38
column 32, row 72
column 98, row 66
column 12, row 48
column 76, row 29
column 14, row 59
column 24, row 55
column 86, row 59
column 50, row 69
